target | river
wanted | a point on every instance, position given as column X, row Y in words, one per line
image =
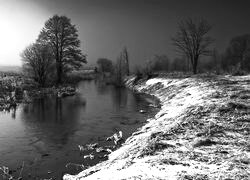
column 40, row 138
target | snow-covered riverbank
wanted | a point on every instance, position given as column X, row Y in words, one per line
column 201, row 132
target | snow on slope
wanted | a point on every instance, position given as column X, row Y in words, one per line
column 201, row 132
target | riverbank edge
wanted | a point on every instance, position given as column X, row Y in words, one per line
column 146, row 155
column 131, row 83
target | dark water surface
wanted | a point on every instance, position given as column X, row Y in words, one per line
column 44, row 135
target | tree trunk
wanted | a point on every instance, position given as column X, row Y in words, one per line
column 58, row 67
column 188, row 64
column 194, row 70
column 59, row 73
column 195, row 65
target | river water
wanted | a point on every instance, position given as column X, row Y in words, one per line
column 39, row 139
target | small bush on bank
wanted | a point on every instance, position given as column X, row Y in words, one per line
column 237, row 71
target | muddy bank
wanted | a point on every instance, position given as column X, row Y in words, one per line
column 201, row 132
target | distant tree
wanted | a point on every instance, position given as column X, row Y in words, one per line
column 121, row 67
column 192, row 40
column 178, row 64
column 126, row 60
column 38, row 62
column 105, row 65
column 119, row 71
column 216, row 61
column 62, row 37
column 159, row 63
column 238, row 53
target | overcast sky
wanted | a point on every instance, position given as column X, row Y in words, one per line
column 145, row 27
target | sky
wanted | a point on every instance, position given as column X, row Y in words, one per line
column 105, row 27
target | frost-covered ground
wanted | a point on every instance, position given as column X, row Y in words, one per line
column 201, row 132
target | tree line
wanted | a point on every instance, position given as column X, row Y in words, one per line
column 117, row 70
column 192, row 42
column 57, row 52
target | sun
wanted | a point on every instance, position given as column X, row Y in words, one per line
column 10, row 42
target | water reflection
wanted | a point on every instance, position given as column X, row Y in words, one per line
column 58, row 110
column 55, row 126
column 53, row 109
column 52, row 120
column 102, row 88
column 120, row 98
column 13, row 113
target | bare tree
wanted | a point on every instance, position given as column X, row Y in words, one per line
column 192, row 40
column 62, row 37
column 38, row 62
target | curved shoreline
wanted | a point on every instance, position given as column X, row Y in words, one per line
column 184, row 139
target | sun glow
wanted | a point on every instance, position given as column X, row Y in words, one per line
column 10, row 42
column 20, row 23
